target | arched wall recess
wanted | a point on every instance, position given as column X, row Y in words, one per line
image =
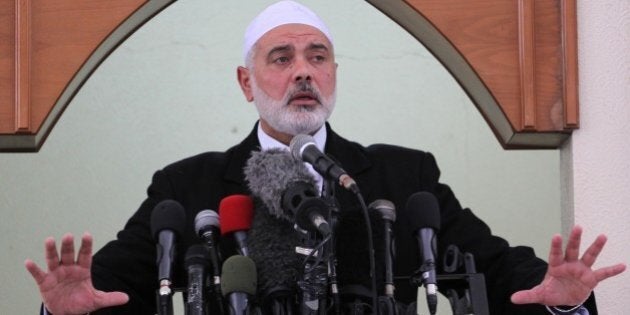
column 515, row 59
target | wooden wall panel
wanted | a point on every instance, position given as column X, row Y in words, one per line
column 48, row 50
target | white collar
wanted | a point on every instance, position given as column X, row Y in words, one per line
column 267, row 142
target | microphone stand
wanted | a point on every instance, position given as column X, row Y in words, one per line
column 164, row 298
column 320, row 263
column 328, row 194
column 419, row 278
column 314, row 278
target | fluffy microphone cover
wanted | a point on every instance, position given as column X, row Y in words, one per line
column 268, row 174
column 272, row 243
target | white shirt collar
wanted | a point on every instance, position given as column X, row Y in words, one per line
column 267, row 142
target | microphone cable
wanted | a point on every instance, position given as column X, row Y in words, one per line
column 368, row 228
column 315, row 250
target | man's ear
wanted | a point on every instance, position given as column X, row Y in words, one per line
column 243, row 76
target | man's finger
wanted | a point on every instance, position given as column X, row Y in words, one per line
column 84, row 258
column 591, row 253
column 52, row 258
column 610, row 271
column 525, row 297
column 556, row 256
column 573, row 244
column 67, row 249
column 38, row 274
column 107, row 299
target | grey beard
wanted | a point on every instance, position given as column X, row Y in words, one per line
column 282, row 118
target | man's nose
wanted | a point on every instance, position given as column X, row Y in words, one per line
column 302, row 70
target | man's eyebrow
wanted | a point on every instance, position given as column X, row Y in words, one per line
column 283, row 48
column 317, row 46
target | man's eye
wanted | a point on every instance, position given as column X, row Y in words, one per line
column 319, row 58
column 281, row 60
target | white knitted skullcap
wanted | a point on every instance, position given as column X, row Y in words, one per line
column 281, row 13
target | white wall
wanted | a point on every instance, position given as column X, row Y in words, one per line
column 170, row 91
column 599, row 153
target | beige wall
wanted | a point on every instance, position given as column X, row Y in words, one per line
column 595, row 163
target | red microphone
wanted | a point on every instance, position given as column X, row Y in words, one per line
column 236, row 213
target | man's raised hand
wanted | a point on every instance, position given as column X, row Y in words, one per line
column 66, row 288
column 569, row 279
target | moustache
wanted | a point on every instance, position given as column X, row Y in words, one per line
column 303, row 89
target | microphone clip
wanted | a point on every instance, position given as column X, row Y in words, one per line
column 419, row 277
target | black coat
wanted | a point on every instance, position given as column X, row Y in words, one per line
column 128, row 263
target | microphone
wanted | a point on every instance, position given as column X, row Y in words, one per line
column 300, row 199
column 237, row 212
column 423, row 213
column 197, row 262
column 272, row 244
column 239, row 283
column 287, row 189
column 303, row 148
column 207, row 226
column 388, row 212
column 167, row 222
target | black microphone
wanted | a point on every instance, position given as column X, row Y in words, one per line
column 423, row 213
column 239, row 283
column 167, row 223
column 388, row 212
column 207, row 227
column 304, row 148
column 197, row 262
column 308, row 209
column 287, row 189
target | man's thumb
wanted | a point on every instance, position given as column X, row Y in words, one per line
column 524, row 297
column 107, row 299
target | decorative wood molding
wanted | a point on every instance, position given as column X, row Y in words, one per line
column 527, row 56
column 570, row 68
column 22, row 66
